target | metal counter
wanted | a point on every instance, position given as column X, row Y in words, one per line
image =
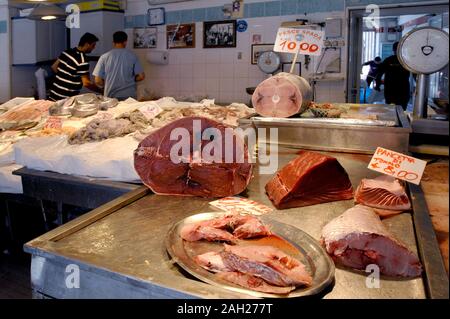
column 73, row 190
column 64, row 189
column 391, row 130
column 120, row 253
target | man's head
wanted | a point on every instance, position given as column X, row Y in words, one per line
column 394, row 47
column 120, row 39
column 87, row 42
column 377, row 60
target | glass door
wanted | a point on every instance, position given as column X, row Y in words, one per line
column 371, row 43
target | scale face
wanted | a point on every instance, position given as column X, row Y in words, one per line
column 269, row 62
column 424, row 50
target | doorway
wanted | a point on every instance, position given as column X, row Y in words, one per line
column 368, row 40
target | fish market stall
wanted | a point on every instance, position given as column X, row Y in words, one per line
column 120, row 247
column 87, row 137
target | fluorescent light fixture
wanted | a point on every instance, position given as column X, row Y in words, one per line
column 48, row 18
column 47, row 12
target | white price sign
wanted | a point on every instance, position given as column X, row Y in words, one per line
column 303, row 41
column 397, row 165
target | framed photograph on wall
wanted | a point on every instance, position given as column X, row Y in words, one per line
column 219, row 34
column 257, row 49
column 180, row 36
column 286, row 67
column 144, row 38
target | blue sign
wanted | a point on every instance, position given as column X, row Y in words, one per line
column 242, row 26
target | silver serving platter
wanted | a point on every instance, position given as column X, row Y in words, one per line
column 287, row 238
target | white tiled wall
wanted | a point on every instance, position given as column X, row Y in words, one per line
column 218, row 73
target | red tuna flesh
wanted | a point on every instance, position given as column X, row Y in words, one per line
column 191, row 176
column 311, row 178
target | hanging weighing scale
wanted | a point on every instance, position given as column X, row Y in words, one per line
column 269, row 62
column 423, row 51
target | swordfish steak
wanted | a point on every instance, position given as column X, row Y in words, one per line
column 211, row 167
column 384, row 193
column 309, row 179
column 358, row 238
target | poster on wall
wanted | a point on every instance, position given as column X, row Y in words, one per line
column 219, row 34
column 181, row 36
column 144, row 38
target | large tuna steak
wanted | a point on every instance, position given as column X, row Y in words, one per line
column 309, row 179
column 358, row 238
column 162, row 168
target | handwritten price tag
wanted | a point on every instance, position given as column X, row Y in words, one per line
column 398, row 165
column 240, row 205
column 150, row 110
column 53, row 122
column 303, row 41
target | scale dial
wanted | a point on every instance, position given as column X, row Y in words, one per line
column 424, row 50
column 269, row 62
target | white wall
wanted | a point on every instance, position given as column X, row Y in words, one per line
column 218, row 73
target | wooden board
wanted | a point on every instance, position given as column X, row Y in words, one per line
column 435, row 187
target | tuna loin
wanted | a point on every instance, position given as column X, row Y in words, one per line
column 384, row 193
column 221, row 175
column 358, row 238
column 282, row 95
column 310, row 179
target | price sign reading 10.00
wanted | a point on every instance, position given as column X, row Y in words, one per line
column 302, row 41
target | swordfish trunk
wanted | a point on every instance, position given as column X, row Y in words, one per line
column 282, row 95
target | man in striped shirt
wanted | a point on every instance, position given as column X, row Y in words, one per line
column 72, row 70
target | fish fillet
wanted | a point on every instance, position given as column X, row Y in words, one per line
column 358, row 238
column 212, row 261
column 253, row 283
column 228, row 228
column 268, row 263
column 195, row 232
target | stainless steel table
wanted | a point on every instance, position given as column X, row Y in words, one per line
column 64, row 189
column 118, row 249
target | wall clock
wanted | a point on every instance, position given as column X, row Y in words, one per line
column 156, row 16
